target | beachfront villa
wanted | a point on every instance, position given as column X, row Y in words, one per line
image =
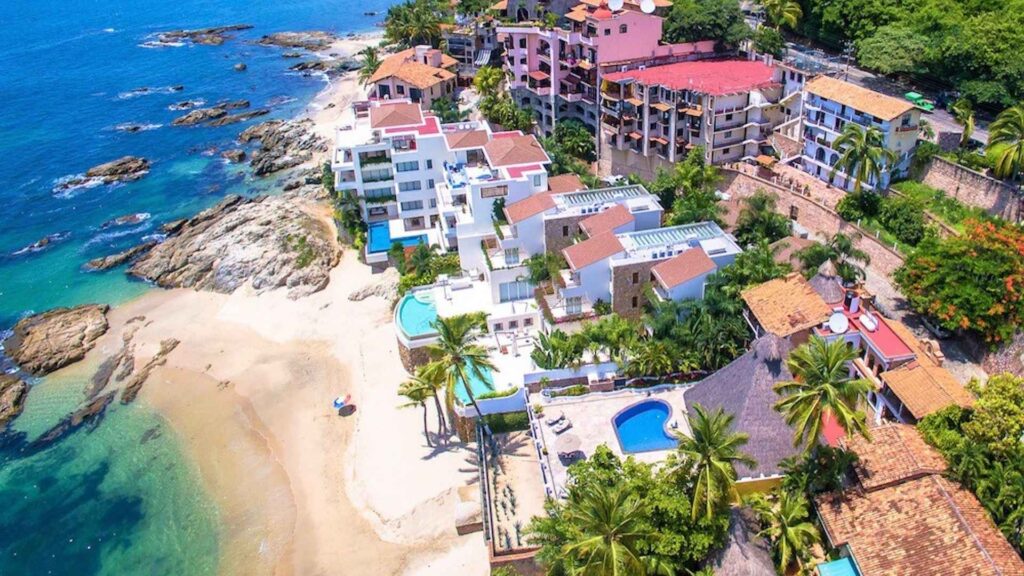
column 421, row 74
column 830, row 104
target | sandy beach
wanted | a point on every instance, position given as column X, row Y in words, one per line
column 300, row 489
column 332, row 105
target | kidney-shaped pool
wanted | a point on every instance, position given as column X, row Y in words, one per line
column 642, row 427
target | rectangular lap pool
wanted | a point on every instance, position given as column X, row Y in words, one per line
column 379, row 236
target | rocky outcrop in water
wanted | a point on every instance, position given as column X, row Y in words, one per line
column 213, row 36
column 12, row 397
column 241, row 67
column 327, row 66
column 282, row 144
column 186, row 105
column 115, row 260
column 43, row 243
column 234, row 156
column 311, row 40
column 240, row 117
column 125, row 169
column 126, row 220
column 201, row 115
column 134, row 385
column 45, row 342
column 91, row 413
column 267, row 242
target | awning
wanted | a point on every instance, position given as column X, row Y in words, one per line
column 539, row 75
column 502, row 5
column 635, row 135
column 576, row 16
column 608, row 96
column 661, row 106
column 765, row 160
column 635, row 101
column 585, row 64
column 697, row 111
column 483, row 57
column 659, row 140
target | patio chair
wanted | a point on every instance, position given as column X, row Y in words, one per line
column 562, row 426
column 555, row 419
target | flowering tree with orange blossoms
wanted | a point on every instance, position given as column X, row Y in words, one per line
column 974, row 281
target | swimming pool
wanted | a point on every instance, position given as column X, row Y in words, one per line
column 379, row 234
column 641, row 427
column 477, row 385
column 416, row 314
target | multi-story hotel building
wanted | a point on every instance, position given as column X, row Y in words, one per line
column 557, row 72
column 830, row 104
column 652, row 116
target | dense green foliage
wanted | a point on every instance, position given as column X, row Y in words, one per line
column 652, row 502
column 984, row 449
column 448, row 111
column 423, row 266
column 857, row 206
column 507, row 422
column 696, row 20
column 947, row 208
column 787, row 525
column 769, row 41
column 863, row 156
column 904, row 218
column 758, row 220
column 843, row 253
column 371, row 60
column 709, row 454
column 972, row 281
column 416, row 22
column 1006, row 142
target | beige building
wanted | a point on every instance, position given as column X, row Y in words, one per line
column 421, row 74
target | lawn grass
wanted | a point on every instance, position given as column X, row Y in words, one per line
column 949, row 210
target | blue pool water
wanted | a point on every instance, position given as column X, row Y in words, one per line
column 477, row 385
column 380, row 238
column 416, row 315
column 641, row 427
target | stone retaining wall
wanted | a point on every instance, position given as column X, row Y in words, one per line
column 412, row 358
column 974, row 188
column 815, row 217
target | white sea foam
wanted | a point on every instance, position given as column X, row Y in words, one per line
column 133, row 127
column 62, row 187
column 159, row 44
column 147, row 91
column 106, row 236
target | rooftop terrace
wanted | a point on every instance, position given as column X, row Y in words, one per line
column 671, row 238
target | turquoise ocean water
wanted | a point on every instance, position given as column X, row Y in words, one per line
column 120, row 497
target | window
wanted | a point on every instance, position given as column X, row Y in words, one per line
column 536, row 181
column 574, row 305
column 407, row 166
column 522, row 42
column 430, row 184
column 728, row 117
column 728, row 134
column 433, row 202
column 413, row 223
column 509, row 291
column 513, row 324
column 494, row 192
column 511, row 256
column 378, row 175
column 378, row 192
column 527, row 322
column 400, row 89
column 623, row 28
column 607, row 31
column 410, row 186
column 430, row 164
column 413, row 205
column 633, row 302
column 498, row 327
column 565, row 231
column 636, row 277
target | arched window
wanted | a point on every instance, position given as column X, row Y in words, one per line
column 623, row 28
column 819, row 155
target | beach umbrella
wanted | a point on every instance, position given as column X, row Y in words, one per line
column 342, row 401
column 567, row 444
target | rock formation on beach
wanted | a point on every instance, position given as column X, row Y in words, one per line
column 311, row 40
column 270, row 242
column 45, row 342
column 340, row 66
column 12, row 397
column 384, row 285
column 282, row 144
column 200, row 115
column 214, row 36
column 115, row 260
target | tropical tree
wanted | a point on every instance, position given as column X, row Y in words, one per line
column 759, row 220
column 783, row 13
column 371, row 62
column 420, row 259
column 649, row 358
column 1006, row 141
column 787, row 525
column 573, row 138
column 711, row 453
column 416, row 22
column 448, row 110
column 431, row 377
column 863, row 154
column 821, row 388
column 416, row 396
column 609, row 532
column 757, row 264
column 963, row 112
column 488, row 80
column 458, row 358
column 841, row 249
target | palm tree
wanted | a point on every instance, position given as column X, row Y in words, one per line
column 788, row 527
column 1006, row 138
column 419, row 260
column 608, row 532
column 841, row 249
column 371, row 62
column 649, row 358
column 431, row 377
column 417, row 396
column 758, row 219
column 458, row 357
column 822, row 386
column 863, row 155
column 783, row 12
column 711, row 454
column 488, row 80
column 963, row 112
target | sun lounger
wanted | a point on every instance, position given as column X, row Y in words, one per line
column 555, row 419
column 562, row 426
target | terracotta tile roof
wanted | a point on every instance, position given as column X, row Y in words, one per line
column 714, row 77
column 404, row 66
column 466, row 139
column 591, row 250
column 787, row 305
column 925, row 526
column 387, row 115
column 924, row 388
column 527, row 207
column 606, row 221
column 513, row 150
column 565, row 183
column 858, row 98
column 683, row 268
column 896, row 452
column 502, row 6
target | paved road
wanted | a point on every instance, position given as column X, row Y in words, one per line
column 941, row 120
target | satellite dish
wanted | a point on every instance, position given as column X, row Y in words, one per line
column 838, row 323
column 616, row 4
column 647, row 6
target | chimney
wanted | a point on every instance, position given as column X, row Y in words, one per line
column 932, row 351
column 421, row 53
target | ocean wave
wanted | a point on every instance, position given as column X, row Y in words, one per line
column 132, row 127
column 73, row 185
column 160, row 44
column 158, row 237
column 186, row 105
column 281, row 100
column 148, row 91
column 110, row 30
column 107, row 236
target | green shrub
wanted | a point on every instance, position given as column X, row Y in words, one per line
column 904, row 218
column 601, row 307
column 857, row 206
column 508, row 422
column 497, row 394
column 577, row 390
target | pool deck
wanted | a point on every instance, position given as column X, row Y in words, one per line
column 591, row 418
